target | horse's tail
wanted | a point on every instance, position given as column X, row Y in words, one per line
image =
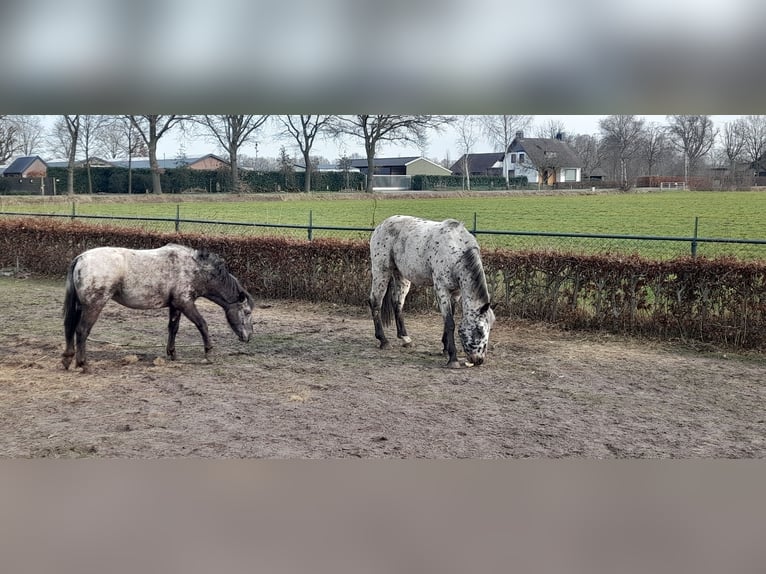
column 387, row 305
column 72, row 305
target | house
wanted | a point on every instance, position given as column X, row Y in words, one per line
column 479, row 164
column 401, row 166
column 28, row 166
column 208, row 161
column 543, row 160
column 94, row 162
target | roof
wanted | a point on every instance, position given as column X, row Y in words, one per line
column 547, row 152
column 384, row 161
column 477, row 162
column 142, row 162
column 21, row 164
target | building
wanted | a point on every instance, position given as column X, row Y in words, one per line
column 401, row 166
column 479, row 164
column 25, row 167
column 208, row 162
column 546, row 161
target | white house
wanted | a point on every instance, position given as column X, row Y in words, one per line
column 543, row 160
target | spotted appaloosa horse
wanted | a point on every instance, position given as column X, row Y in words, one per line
column 172, row 276
column 407, row 251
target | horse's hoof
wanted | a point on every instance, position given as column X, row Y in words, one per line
column 385, row 345
column 406, row 341
column 453, row 365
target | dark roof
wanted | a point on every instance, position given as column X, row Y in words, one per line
column 547, row 152
column 384, row 161
column 21, row 164
column 143, row 162
column 477, row 162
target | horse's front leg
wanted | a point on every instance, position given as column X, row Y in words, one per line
column 446, row 304
column 174, row 320
column 192, row 313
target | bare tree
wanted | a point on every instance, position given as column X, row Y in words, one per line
column 151, row 128
column 467, row 128
column 693, row 136
column 232, row 133
column 754, row 135
column 732, row 148
column 90, row 126
column 586, row 146
column 550, row 129
column 72, row 125
column 304, row 130
column 29, row 133
column 375, row 130
column 500, row 131
column 654, row 146
column 622, row 135
column 8, row 138
column 345, row 165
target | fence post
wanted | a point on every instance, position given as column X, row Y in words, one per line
column 73, row 210
column 178, row 216
column 694, row 240
column 311, row 223
column 473, row 231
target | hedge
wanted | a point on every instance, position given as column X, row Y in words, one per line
column 179, row 180
column 421, row 182
column 718, row 301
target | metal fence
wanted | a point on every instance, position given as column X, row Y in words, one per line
column 650, row 246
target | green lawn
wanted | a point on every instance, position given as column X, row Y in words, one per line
column 671, row 213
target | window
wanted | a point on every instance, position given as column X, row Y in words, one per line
column 521, row 157
column 570, row 175
column 513, row 158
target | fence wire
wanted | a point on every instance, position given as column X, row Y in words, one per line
column 652, row 247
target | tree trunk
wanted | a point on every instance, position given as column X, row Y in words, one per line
column 307, row 164
column 130, row 173
column 154, row 167
column 234, row 169
column 370, row 169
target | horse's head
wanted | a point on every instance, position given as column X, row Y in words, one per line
column 474, row 332
column 240, row 316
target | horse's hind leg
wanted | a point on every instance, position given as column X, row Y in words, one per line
column 402, row 288
column 87, row 320
column 174, row 320
column 377, row 295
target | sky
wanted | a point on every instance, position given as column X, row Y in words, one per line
column 441, row 145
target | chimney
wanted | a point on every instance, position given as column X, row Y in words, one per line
column 559, row 136
column 519, row 135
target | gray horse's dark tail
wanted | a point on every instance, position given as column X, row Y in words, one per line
column 387, row 305
column 72, row 305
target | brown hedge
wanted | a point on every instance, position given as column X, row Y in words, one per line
column 720, row 301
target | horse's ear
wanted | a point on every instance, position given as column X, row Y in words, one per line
column 484, row 308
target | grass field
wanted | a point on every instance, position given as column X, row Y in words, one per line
column 671, row 213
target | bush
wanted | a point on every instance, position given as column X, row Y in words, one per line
column 720, row 301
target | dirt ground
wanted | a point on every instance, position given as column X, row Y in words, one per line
column 312, row 383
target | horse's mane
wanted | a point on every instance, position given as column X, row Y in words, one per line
column 477, row 280
column 217, row 268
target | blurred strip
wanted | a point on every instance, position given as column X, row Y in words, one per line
column 343, row 56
